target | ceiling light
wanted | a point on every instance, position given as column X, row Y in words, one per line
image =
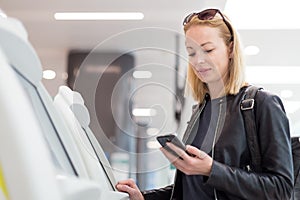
column 49, row 74
column 142, row 74
column 266, row 14
column 251, row 50
column 99, row 16
column 273, row 74
column 143, row 112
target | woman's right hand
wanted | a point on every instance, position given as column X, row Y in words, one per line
column 131, row 188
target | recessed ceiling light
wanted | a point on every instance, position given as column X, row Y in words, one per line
column 251, row 50
column 144, row 112
column 49, row 74
column 142, row 74
column 99, row 16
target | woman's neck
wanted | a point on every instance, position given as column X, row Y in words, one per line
column 216, row 89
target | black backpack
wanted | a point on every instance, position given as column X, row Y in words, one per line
column 247, row 106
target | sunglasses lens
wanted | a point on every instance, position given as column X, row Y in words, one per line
column 204, row 15
column 207, row 14
column 188, row 18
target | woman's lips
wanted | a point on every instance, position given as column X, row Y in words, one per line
column 203, row 71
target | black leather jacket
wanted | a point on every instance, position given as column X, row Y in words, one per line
column 231, row 174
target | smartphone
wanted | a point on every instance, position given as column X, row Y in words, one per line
column 173, row 139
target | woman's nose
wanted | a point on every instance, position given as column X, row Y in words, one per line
column 200, row 58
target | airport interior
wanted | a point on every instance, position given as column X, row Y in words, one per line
column 83, row 99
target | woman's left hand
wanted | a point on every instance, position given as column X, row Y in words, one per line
column 197, row 163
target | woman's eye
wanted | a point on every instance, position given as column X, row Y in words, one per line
column 208, row 51
column 192, row 54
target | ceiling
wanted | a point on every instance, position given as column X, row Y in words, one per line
column 277, row 47
column 46, row 32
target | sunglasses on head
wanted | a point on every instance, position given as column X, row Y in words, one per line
column 208, row 14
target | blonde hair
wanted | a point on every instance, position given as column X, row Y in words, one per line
column 236, row 74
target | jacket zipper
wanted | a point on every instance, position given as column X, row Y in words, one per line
column 188, row 131
column 214, row 141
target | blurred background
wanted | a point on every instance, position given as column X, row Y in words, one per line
column 131, row 72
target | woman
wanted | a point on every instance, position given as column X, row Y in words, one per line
column 222, row 168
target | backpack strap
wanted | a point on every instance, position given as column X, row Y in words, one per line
column 296, row 159
column 247, row 108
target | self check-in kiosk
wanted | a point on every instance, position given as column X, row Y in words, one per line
column 47, row 151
